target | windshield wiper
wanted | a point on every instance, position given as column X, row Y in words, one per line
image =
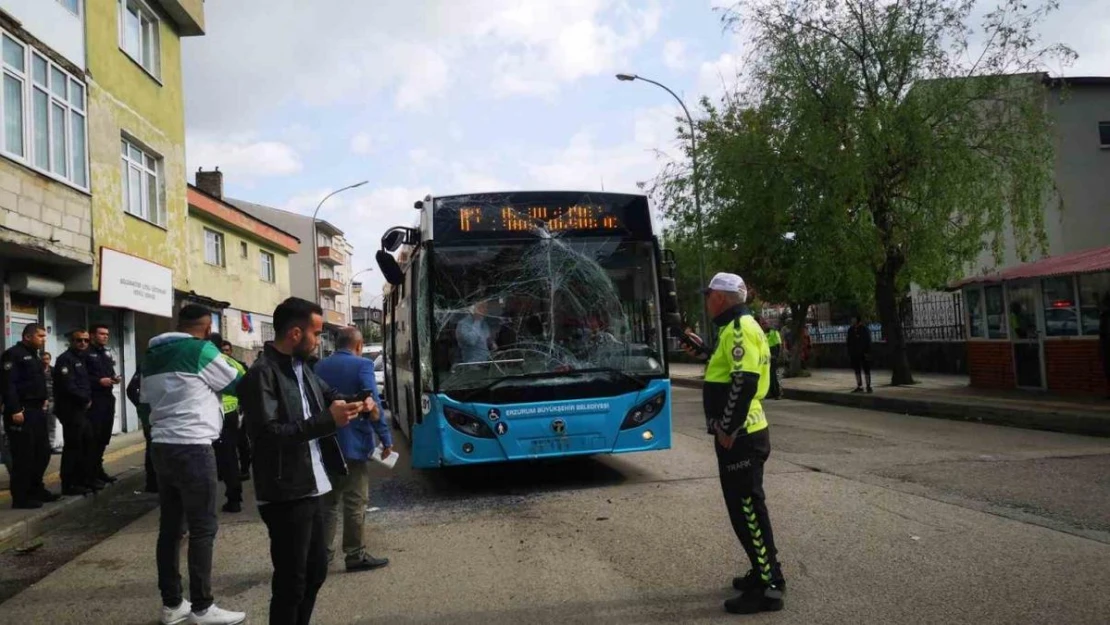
column 474, row 392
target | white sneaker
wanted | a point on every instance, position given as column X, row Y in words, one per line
column 173, row 616
column 216, row 615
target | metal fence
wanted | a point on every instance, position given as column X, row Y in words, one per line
column 926, row 317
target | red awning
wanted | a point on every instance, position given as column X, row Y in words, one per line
column 1086, row 261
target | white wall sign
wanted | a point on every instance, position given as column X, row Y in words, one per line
column 134, row 283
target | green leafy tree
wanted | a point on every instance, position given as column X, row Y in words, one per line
column 926, row 140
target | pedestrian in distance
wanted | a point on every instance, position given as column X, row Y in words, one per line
column 292, row 417
column 737, row 378
column 23, row 383
column 349, row 373
column 182, row 376
column 227, row 445
column 859, row 351
column 134, row 392
column 774, row 342
column 243, row 444
column 72, row 400
column 101, row 369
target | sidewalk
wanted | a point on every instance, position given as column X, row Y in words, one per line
column 942, row 396
column 123, row 460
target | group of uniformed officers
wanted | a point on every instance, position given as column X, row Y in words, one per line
column 84, row 403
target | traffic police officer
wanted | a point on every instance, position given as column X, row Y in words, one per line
column 24, row 388
column 101, row 369
column 72, row 399
column 774, row 341
column 737, row 378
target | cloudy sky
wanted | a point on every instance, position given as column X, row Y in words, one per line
column 292, row 98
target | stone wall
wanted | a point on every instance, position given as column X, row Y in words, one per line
column 51, row 215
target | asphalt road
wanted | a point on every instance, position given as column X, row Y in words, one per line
column 880, row 518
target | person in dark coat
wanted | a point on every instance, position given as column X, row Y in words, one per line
column 859, row 350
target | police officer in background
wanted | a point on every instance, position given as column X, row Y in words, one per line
column 737, row 379
column 101, row 369
column 24, row 388
column 72, row 399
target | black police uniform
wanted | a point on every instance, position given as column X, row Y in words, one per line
column 71, row 403
column 24, row 387
column 102, row 414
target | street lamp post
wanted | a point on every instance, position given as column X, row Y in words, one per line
column 697, row 192
column 315, row 241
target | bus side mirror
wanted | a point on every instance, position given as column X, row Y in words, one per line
column 392, row 240
column 668, row 295
column 390, row 269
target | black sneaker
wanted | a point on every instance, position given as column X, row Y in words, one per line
column 95, row 485
column 859, row 389
column 751, row 580
column 233, row 506
column 365, row 562
column 869, row 390
column 107, row 479
column 762, row 599
column 75, row 491
column 29, row 504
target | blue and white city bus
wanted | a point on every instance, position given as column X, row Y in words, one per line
column 527, row 325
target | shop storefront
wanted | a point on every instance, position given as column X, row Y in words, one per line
column 1036, row 326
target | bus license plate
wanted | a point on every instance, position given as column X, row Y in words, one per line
column 551, row 445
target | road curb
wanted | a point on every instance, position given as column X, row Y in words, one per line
column 55, row 514
column 1068, row 422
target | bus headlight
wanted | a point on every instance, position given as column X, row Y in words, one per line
column 467, row 424
column 644, row 412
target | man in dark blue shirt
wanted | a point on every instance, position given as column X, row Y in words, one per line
column 350, row 374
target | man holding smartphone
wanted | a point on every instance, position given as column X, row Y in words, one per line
column 291, row 417
column 349, row 373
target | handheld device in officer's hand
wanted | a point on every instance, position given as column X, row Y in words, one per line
column 692, row 341
column 362, row 397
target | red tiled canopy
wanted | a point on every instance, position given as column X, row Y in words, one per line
column 1086, row 261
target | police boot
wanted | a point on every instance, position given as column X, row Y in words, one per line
column 755, row 600
column 751, row 580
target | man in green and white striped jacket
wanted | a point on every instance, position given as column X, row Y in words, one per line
column 182, row 376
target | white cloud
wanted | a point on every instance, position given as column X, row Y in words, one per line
column 362, row 144
column 721, row 76
column 583, row 164
column 675, row 54
column 243, row 157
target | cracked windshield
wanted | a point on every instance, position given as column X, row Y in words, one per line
column 548, row 304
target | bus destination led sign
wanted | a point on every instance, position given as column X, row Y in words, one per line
column 550, row 218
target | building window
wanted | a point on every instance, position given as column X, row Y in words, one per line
column 974, row 300
column 142, row 183
column 266, row 260
column 1094, row 297
column 327, row 302
column 1104, row 135
column 138, row 35
column 266, row 329
column 1061, row 317
column 74, row 6
column 243, row 249
column 51, row 136
column 996, row 313
column 213, row 248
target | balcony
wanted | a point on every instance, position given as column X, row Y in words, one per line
column 331, row 286
column 330, row 256
column 335, row 317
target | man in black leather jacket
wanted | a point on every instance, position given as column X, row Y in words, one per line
column 291, row 417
